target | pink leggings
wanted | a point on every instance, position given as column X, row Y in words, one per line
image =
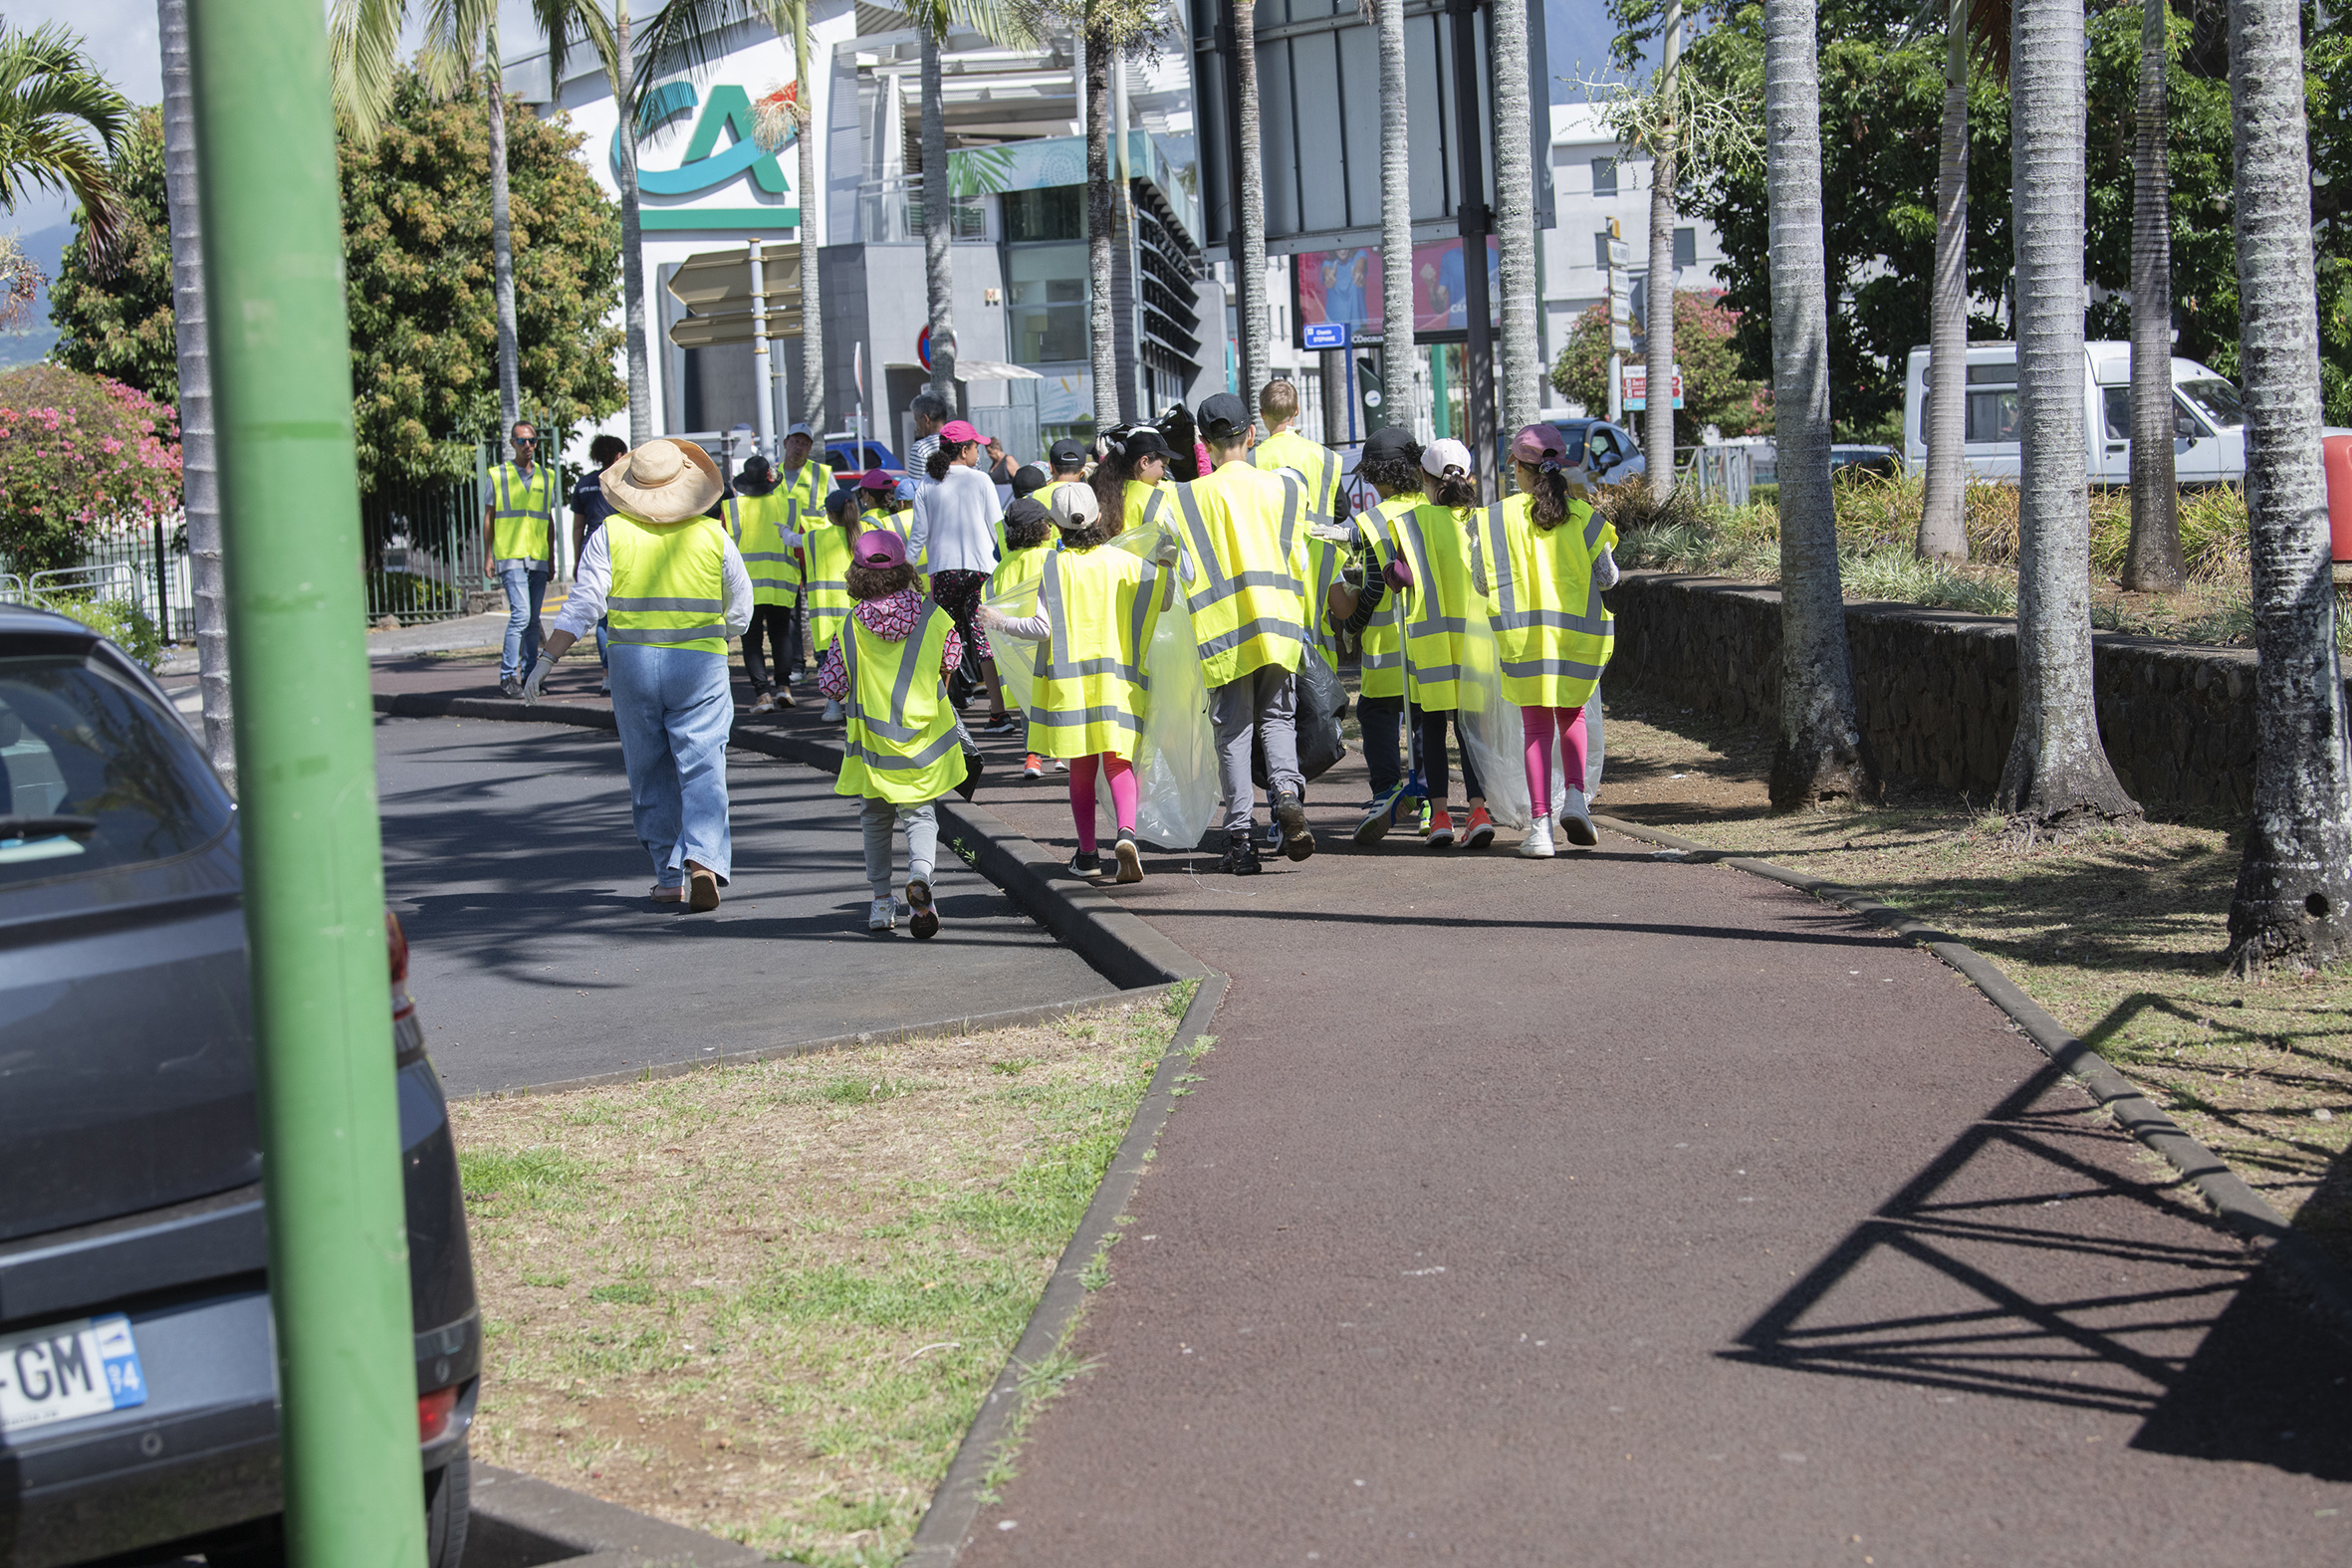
column 1121, row 774
column 1542, row 723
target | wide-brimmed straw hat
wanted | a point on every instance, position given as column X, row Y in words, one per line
column 663, row 482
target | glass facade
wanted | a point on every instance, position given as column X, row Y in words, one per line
column 1045, row 302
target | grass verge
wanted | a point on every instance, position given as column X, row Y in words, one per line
column 766, row 1300
column 2118, row 933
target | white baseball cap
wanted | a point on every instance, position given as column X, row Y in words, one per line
column 1439, row 456
column 1074, row 508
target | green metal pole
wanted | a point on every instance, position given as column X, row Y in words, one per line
column 306, row 763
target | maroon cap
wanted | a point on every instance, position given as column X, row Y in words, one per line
column 1534, row 443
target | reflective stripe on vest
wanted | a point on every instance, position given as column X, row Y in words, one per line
column 1322, row 500
column 773, row 574
column 1054, row 662
column 1218, row 587
column 519, row 529
column 668, row 583
column 1595, row 622
column 883, row 753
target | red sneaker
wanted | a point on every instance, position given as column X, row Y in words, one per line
column 1481, row 831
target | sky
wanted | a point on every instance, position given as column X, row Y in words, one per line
column 121, row 37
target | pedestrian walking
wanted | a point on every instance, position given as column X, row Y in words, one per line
column 1364, row 606
column 589, row 509
column 1027, row 527
column 759, row 519
column 826, row 554
column 519, row 542
column 888, row 668
column 1245, row 529
column 1545, row 558
column 1096, row 608
column 931, row 414
column 1432, row 541
column 952, row 540
column 1067, row 461
column 675, row 588
column 1132, row 481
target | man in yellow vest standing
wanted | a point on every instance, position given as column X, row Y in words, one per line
column 1246, row 529
column 803, row 486
column 519, row 542
column 672, row 588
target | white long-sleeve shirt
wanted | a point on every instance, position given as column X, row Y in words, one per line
column 592, row 584
column 955, row 524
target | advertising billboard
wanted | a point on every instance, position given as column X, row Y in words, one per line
column 1343, row 286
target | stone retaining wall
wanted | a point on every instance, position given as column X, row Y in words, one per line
column 1938, row 688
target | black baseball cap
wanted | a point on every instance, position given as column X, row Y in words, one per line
column 1142, row 441
column 1067, row 453
column 1027, row 509
column 1222, row 417
column 1028, row 480
column 1389, row 443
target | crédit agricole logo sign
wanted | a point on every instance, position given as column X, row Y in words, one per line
column 707, row 167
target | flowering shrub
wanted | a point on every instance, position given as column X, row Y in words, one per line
column 78, row 453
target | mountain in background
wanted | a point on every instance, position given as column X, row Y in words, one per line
column 37, row 337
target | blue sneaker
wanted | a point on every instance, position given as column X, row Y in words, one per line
column 1380, row 815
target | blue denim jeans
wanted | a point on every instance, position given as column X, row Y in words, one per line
column 526, row 587
column 675, row 708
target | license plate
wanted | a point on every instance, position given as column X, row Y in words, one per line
column 68, row 1369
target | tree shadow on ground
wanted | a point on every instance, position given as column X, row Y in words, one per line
column 1969, row 1279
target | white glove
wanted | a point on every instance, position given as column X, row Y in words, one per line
column 537, row 675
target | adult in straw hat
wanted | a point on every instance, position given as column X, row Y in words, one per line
column 672, row 589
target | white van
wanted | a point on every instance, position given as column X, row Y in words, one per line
column 2209, row 421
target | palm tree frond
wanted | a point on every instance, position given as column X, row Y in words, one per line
column 364, row 55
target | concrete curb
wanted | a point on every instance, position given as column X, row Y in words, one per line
column 2242, row 1210
column 520, row 1522
column 945, row 1526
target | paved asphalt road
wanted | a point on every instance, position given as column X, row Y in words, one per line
column 536, row 957
column 1611, row 1211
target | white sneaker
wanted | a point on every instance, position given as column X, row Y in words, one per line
column 764, row 702
column 883, row 916
column 1061, row 765
column 1575, row 822
column 832, row 709
column 1538, row 844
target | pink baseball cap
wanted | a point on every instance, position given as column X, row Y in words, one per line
column 876, row 478
column 958, row 431
column 1534, row 443
column 880, row 547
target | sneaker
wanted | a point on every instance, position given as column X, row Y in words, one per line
column 922, row 919
column 604, row 687
column 1290, row 816
column 782, row 699
column 1538, row 844
column 883, row 916
column 1480, row 830
column 765, row 701
column 510, row 685
column 1437, row 827
column 1061, row 765
column 1274, row 837
column 1129, row 858
column 974, row 765
column 1001, row 724
column 791, row 677
column 833, row 710
column 1085, row 865
column 1034, row 767
column 1241, row 856
column 1575, row 822
column 1380, row 815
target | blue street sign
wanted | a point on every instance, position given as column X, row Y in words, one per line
column 1327, row 335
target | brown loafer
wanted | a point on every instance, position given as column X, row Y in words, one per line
column 668, row 895
column 705, row 896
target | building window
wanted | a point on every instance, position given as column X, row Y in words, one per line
column 1600, row 249
column 1045, row 302
column 1686, row 247
column 1604, row 176
column 1057, row 213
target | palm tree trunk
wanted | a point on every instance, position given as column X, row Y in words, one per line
column 1822, row 754
column 2294, row 887
column 2152, row 562
column 1396, row 219
column 938, row 214
column 1250, row 210
column 198, row 460
column 1657, row 427
column 810, row 236
column 632, row 233
column 501, row 247
column 2057, row 773
column 1943, row 519
column 1515, row 218
column 1101, row 340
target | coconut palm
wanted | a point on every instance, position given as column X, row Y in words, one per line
column 1249, row 207
column 796, row 19
column 2294, row 886
column 1396, row 213
column 1822, row 754
column 461, row 37
column 1515, row 219
column 61, row 124
column 1943, row 526
column 199, row 463
column 2057, row 772
column 1657, row 426
column 2152, row 564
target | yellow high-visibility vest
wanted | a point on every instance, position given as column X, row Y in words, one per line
column 1551, row 631
column 521, row 511
column 807, row 487
column 900, row 740
column 758, row 523
column 1099, row 607
column 1017, row 570
column 1313, row 462
column 1246, row 529
column 1147, row 504
column 1435, row 543
column 826, row 553
column 1383, row 664
column 669, row 588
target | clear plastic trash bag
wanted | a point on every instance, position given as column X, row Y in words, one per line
column 1491, row 729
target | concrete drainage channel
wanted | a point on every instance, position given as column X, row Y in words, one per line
column 520, row 1523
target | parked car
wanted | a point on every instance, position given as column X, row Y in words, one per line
column 1847, row 458
column 842, row 454
column 1608, row 453
column 137, row 1381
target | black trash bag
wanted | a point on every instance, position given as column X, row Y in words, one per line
column 968, row 677
column 1322, row 703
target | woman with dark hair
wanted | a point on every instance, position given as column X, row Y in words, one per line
column 1547, row 555
column 589, row 509
column 1130, row 481
column 1433, row 549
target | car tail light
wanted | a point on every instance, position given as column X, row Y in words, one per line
column 433, row 1412
column 407, row 1033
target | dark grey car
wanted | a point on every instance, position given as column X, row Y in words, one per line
column 138, row 1385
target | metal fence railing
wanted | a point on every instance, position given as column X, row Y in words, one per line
column 143, row 562
column 424, row 548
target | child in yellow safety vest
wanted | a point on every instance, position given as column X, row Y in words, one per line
column 1096, row 608
column 1545, row 558
column 1433, row 547
column 824, row 568
column 904, row 746
column 1026, row 532
column 1363, row 603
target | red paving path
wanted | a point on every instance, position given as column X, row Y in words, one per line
column 1613, row 1211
